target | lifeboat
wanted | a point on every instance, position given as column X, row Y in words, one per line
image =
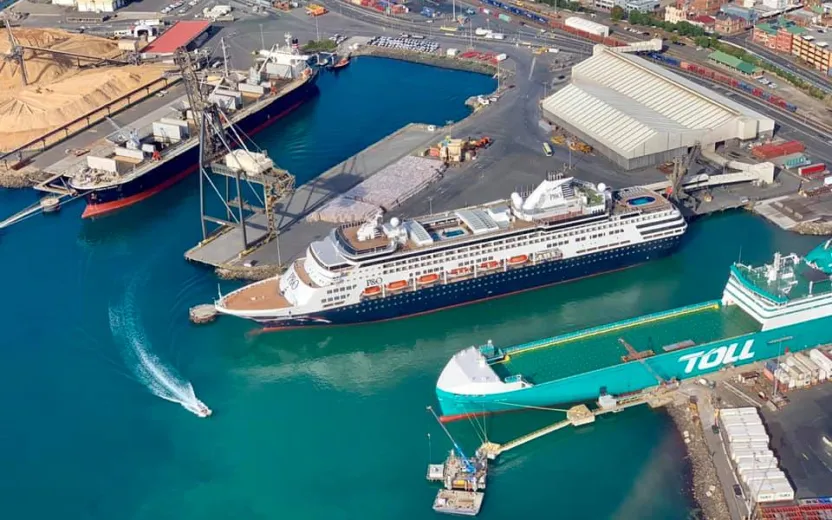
column 398, row 285
column 372, row 290
column 489, row 266
column 518, row 260
column 428, row 279
column 460, row 271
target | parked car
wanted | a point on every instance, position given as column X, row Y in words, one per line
column 737, row 491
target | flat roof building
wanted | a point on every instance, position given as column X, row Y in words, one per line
column 181, row 34
column 639, row 114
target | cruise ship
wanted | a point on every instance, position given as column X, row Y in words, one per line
column 563, row 229
column 765, row 311
column 134, row 165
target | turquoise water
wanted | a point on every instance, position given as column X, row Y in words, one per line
column 321, row 424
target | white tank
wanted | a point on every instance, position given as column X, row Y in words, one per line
column 516, row 200
column 395, row 222
column 602, row 187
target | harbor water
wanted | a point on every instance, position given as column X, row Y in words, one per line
column 97, row 352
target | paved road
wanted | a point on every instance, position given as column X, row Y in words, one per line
column 807, row 75
column 716, row 447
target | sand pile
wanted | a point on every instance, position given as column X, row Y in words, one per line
column 58, row 91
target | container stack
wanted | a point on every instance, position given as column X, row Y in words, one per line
column 770, row 151
column 748, row 447
column 385, row 190
column 800, row 370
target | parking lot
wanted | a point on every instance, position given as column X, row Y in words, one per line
column 801, row 437
column 405, row 43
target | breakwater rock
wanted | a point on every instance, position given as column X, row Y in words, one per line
column 706, row 486
column 818, row 227
column 253, row 273
column 20, row 178
column 435, row 60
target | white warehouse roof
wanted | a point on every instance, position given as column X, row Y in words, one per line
column 589, row 26
column 637, row 108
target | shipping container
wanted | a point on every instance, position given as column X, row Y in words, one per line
column 813, row 168
column 769, row 151
column 770, row 476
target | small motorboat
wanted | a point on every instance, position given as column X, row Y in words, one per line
column 343, row 62
column 198, row 408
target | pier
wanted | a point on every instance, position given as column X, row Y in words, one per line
column 290, row 212
column 581, row 414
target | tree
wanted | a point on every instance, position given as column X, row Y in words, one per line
column 617, row 13
column 674, row 38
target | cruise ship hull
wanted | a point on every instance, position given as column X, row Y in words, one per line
column 482, row 287
column 632, row 376
column 168, row 173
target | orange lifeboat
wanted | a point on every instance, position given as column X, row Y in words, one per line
column 518, row 260
column 428, row 279
column 372, row 290
column 460, row 271
column 489, row 266
column 398, row 285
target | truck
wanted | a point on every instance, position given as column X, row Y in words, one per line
column 470, row 12
column 428, row 12
column 495, row 36
column 479, row 31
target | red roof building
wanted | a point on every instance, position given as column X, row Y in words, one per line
column 181, row 34
column 704, row 21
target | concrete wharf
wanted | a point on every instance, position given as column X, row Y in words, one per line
column 224, row 250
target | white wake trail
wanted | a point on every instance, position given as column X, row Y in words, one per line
column 162, row 380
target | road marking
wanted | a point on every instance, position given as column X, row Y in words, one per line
column 531, row 69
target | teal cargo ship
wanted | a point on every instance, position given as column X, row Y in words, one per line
column 765, row 311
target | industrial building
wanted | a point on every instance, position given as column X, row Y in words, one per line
column 639, row 114
column 186, row 34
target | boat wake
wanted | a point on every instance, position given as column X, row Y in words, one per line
column 162, row 380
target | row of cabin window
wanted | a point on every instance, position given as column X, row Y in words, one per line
column 340, row 289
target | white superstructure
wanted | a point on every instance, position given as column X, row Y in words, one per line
column 559, row 222
column 789, row 290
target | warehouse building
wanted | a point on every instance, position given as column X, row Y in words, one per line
column 639, row 114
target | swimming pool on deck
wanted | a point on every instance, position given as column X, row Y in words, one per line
column 601, row 347
column 641, row 201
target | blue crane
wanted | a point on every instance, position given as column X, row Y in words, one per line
column 468, row 466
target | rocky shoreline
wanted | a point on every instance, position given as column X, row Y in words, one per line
column 818, row 228
column 17, row 179
column 704, row 481
column 435, row 60
column 253, row 273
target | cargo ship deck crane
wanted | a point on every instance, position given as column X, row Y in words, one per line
column 465, row 460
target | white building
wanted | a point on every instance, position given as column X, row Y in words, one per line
column 582, row 24
column 639, row 114
column 775, row 4
column 96, row 6
column 645, row 6
column 674, row 15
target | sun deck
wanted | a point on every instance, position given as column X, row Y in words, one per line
column 796, row 280
column 260, row 296
column 600, row 347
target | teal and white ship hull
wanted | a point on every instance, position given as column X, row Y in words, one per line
column 764, row 312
